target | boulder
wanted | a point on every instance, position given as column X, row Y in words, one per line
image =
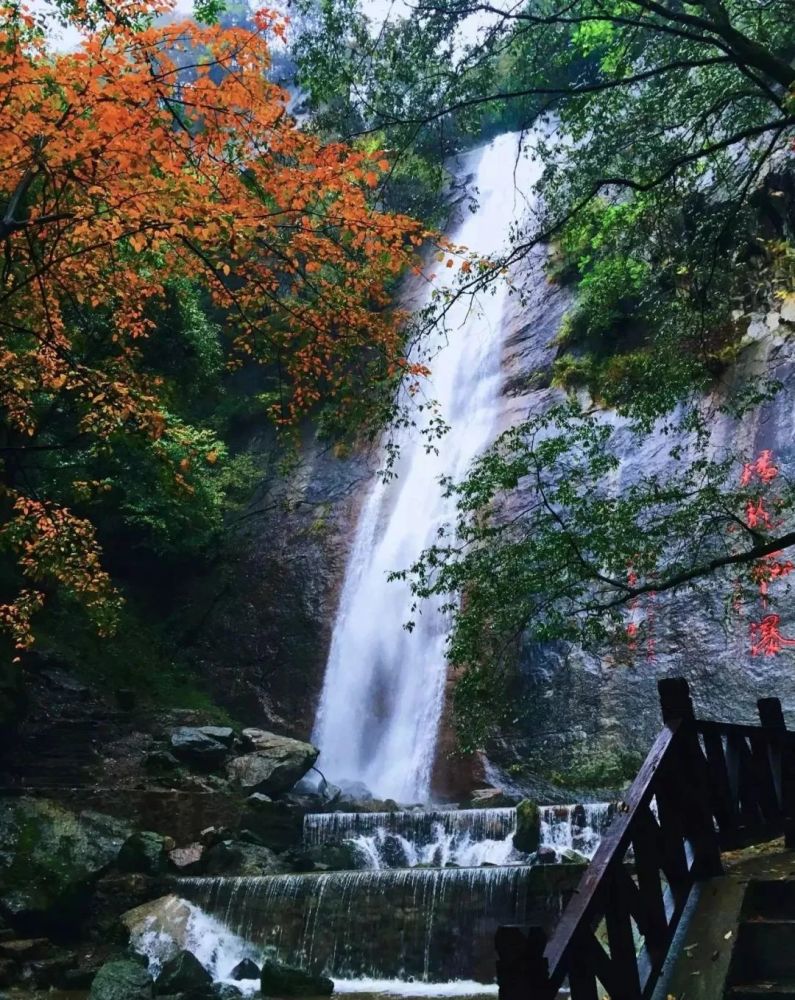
column 276, row 824
column 489, row 798
column 50, row 859
column 572, row 857
column 239, row 858
column 353, row 792
column 277, row 980
column 546, row 856
column 223, row 734
column 195, row 747
column 343, row 856
column 274, row 764
column 164, row 920
column 314, row 786
column 247, row 969
column 186, row 859
column 121, row 980
column 184, row 974
column 226, row 991
column 527, row 836
column 145, row 852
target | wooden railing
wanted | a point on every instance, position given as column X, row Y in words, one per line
column 704, row 787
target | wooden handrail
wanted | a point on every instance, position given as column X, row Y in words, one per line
column 704, row 786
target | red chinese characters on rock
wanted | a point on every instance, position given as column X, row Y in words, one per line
column 765, row 634
column 638, row 615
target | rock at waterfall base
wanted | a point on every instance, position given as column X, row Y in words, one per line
column 226, row 991
column 166, row 917
column 279, row 980
column 122, row 980
column 245, row 970
column 528, row 827
column 184, row 974
column 274, row 764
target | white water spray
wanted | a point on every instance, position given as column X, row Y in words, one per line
column 383, row 692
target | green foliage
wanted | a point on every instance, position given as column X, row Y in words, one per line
column 550, row 544
column 144, row 656
column 608, row 770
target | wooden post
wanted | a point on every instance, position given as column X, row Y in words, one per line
column 782, row 761
column 675, row 700
column 522, row 969
column 692, row 776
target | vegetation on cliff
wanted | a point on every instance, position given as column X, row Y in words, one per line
column 666, row 133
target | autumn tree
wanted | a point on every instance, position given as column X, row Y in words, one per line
column 164, row 217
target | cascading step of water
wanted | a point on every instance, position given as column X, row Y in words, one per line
column 462, row 837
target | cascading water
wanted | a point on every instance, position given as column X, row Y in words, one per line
column 424, row 923
column 382, row 697
column 464, row 837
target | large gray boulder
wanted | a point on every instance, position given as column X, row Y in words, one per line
column 122, row 980
column 50, row 858
column 164, row 920
column 196, row 746
column 274, row 764
column 277, row 980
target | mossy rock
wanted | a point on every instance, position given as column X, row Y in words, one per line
column 50, row 858
column 528, row 827
column 122, row 980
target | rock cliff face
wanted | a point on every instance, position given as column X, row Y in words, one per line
column 592, row 718
column 264, row 637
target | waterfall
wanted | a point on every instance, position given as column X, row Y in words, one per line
column 383, row 692
column 430, row 924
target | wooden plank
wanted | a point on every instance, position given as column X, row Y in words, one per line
column 748, row 805
column 723, row 802
column 621, row 940
column 764, row 783
column 648, row 859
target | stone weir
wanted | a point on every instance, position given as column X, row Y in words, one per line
column 464, row 837
column 430, row 924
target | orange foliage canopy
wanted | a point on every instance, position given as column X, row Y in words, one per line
column 157, row 152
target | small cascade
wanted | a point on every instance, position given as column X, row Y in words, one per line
column 217, row 948
column 432, row 924
column 404, row 839
column 578, row 828
column 463, row 837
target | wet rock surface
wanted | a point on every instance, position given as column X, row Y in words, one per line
column 281, row 980
column 51, row 858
